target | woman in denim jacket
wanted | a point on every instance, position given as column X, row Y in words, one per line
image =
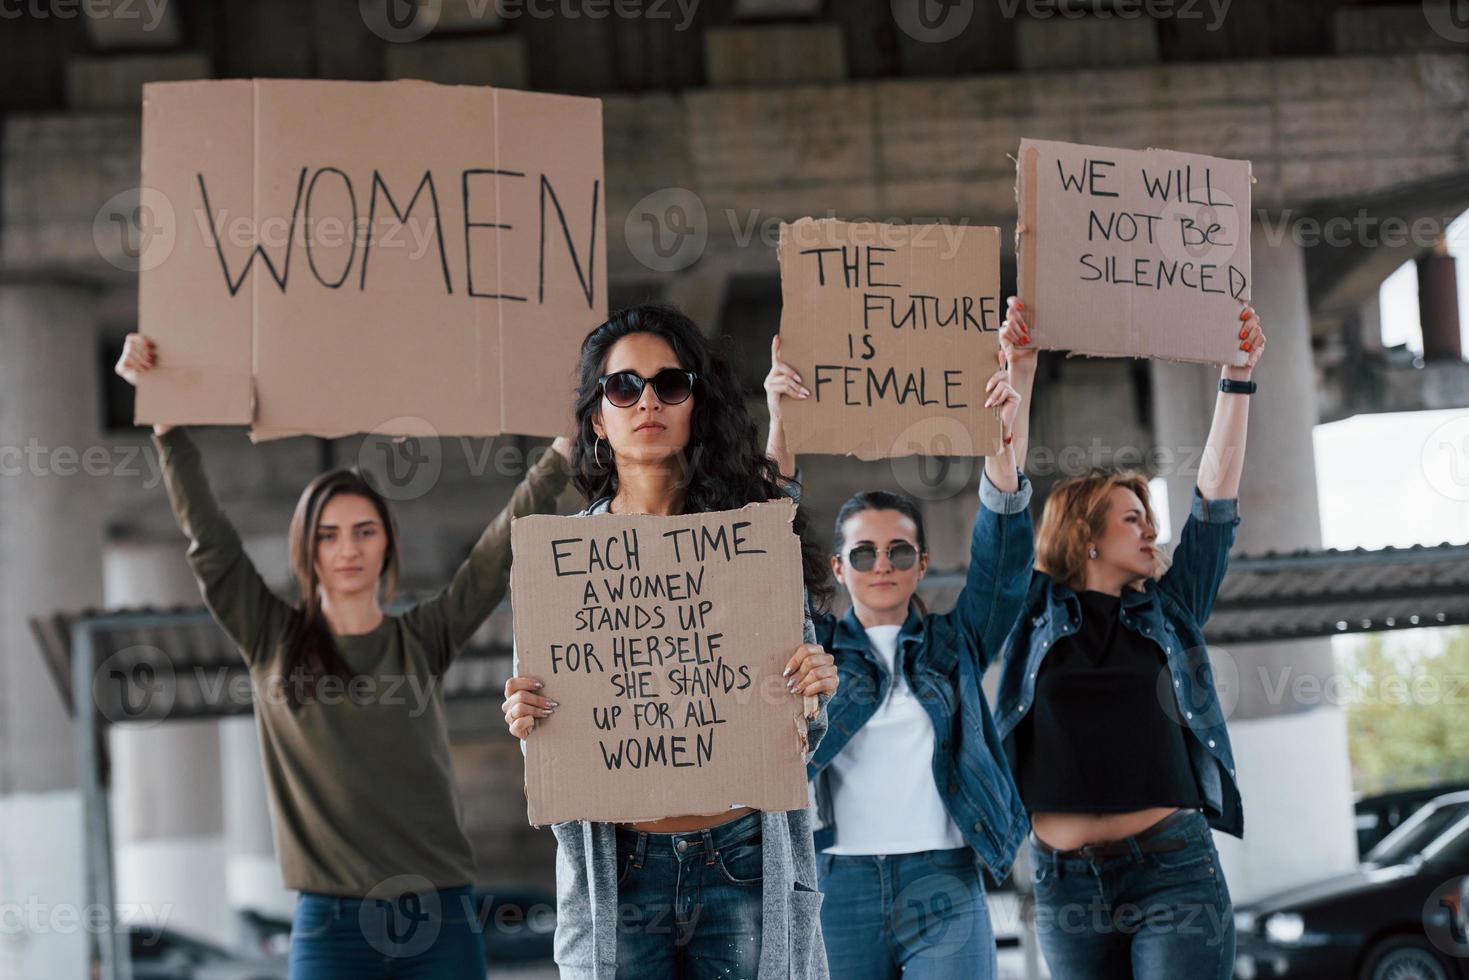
column 662, row 428
column 1110, row 716
column 902, row 842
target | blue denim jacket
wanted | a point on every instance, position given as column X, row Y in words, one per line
column 1171, row 612
column 943, row 657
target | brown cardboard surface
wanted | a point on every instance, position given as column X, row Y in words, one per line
column 1142, row 253
column 399, row 257
column 707, row 717
column 894, row 330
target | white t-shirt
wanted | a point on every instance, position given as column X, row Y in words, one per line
column 884, row 800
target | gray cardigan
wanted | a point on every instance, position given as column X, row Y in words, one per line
column 791, row 945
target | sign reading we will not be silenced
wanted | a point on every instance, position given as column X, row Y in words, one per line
column 663, row 639
column 1134, row 253
column 894, row 330
column 396, row 257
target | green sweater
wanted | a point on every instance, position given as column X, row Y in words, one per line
column 360, row 781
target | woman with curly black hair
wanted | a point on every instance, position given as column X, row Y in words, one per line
column 662, row 428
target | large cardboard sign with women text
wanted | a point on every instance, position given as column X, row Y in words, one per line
column 894, row 329
column 663, row 640
column 394, row 257
column 1140, row 253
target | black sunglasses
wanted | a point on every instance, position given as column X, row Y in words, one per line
column 623, row 388
column 864, row 556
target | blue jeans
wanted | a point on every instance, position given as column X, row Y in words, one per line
column 920, row 915
column 689, row 905
column 1153, row 916
column 433, row 936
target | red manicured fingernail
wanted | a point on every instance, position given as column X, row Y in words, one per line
column 1245, row 346
column 1244, row 332
column 1244, row 314
column 1019, row 305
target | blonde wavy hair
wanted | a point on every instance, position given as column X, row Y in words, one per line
column 1075, row 514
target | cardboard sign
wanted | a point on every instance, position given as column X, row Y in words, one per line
column 894, row 330
column 1134, row 253
column 663, row 640
column 394, row 257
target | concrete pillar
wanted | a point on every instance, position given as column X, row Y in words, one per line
column 1290, row 745
column 51, row 530
column 1438, row 305
column 166, row 799
column 254, row 877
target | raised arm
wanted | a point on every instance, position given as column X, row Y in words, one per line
column 1001, row 545
column 1224, row 454
column 450, row 618
column 253, row 616
column 1202, row 556
column 1020, row 358
column 781, row 383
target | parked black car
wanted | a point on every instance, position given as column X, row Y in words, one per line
column 1402, row 915
column 1381, row 814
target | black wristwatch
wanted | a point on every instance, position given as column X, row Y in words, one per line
column 1232, row 387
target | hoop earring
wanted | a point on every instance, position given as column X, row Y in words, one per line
column 1092, row 552
column 597, row 455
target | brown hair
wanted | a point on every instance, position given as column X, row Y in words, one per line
column 312, row 653
column 1075, row 514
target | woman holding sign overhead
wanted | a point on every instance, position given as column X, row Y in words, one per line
column 904, row 844
column 662, row 428
column 350, row 707
column 1117, row 737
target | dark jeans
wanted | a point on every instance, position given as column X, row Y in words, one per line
column 434, row 936
column 1154, row 916
column 688, row 905
column 920, row 915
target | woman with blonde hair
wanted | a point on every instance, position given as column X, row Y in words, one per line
column 1111, row 719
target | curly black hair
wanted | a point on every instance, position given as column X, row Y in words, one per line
column 726, row 466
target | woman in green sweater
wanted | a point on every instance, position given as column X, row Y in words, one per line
column 350, row 709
